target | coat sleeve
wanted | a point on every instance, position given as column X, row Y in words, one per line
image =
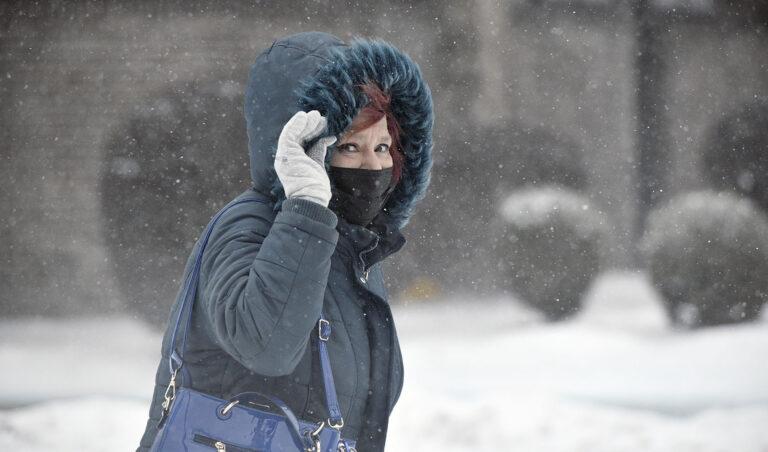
column 262, row 285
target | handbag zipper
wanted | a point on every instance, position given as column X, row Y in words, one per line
column 221, row 446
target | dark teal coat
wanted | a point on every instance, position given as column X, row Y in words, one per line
column 271, row 267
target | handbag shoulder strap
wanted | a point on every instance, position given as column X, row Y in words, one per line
column 334, row 412
column 176, row 360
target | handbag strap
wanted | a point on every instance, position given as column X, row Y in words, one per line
column 334, row 412
column 176, row 360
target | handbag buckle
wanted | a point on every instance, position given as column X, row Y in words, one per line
column 323, row 330
column 336, row 426
column 170, row 392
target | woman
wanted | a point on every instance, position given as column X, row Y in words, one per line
column 314, row 241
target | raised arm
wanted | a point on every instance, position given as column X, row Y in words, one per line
column 264, row 281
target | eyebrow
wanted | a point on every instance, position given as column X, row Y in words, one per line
column 382, row 139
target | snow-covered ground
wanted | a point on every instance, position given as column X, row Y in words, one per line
column 483, row 374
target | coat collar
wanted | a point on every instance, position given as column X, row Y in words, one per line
column 373, row 244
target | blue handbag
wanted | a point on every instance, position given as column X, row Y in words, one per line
column 193, row 421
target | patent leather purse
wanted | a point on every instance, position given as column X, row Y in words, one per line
column 193, row 421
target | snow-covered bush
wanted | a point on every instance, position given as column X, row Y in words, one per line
column 707, row 253
column 457, row 221
column 168, row 168
column 735, row 156
column 550, row 248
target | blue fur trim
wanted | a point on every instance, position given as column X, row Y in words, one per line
column 333, row 93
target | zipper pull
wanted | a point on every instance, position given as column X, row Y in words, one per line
column 364, row 278
column 221, row 447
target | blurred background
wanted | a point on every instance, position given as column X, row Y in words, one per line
column 574, row 139
column 123, row 134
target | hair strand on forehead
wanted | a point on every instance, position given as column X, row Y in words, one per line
column 379, row 106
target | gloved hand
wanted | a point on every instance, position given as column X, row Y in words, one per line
column 303, row 173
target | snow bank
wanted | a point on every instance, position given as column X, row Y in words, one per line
column 45, row 359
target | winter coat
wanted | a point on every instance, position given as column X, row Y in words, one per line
column 271, row 267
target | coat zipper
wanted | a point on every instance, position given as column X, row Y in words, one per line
column 220, row 446
column 364, row 278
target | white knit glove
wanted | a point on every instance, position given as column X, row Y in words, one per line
column 303, row 173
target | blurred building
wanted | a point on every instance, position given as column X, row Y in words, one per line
column 519, row 88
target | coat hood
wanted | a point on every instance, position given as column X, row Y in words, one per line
column 317, row 71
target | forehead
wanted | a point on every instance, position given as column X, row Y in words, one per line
column 377, row 130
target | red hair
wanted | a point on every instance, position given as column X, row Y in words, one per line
column 379, row 106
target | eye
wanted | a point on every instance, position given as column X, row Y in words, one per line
column 347, row 147
column 382, row 148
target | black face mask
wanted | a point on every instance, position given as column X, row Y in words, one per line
column 359, row 194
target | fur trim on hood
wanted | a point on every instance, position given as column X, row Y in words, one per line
column 317, row 71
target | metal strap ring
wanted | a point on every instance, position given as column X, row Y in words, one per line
column 319, row 429
column 335, row 426
column 226, row 409
column 320, row 324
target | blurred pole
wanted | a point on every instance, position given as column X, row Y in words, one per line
column 651, row 118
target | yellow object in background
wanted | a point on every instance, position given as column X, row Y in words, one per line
column 421, row 289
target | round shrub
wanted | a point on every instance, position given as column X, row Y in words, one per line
column 707, row 253
column 550, row 249
column 167, row 169
column 735, row 156
column 459, row 217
